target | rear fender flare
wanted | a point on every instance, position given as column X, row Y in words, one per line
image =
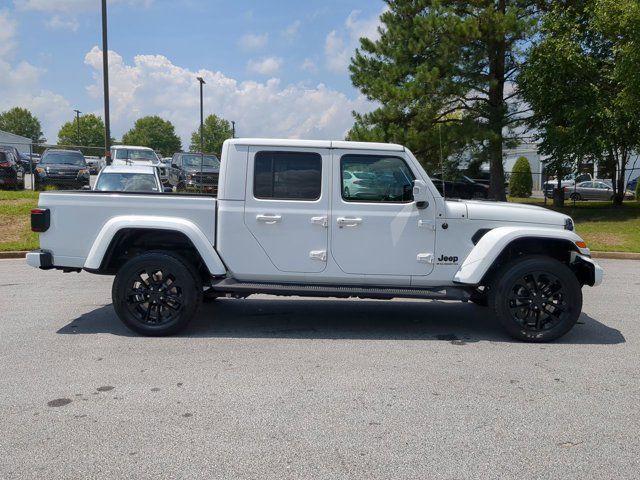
column 189, row 229
column 494, row 242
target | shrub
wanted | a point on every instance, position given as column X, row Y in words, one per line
column 520, row 183
column 638, row 190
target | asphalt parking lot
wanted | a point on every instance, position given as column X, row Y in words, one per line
column 297, row 388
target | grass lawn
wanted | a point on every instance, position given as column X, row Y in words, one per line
column 15, row 220
column 604, row 227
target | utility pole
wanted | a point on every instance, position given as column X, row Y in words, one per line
column 78, row 112
column 233, row 129
column 202, row 82
column 105, row 76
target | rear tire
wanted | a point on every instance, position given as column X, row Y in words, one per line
column 157, row 293
column 576, row 197
column 536, row 298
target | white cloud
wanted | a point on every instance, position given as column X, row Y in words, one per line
column 71, row 6
column 267, row 66
column 340, row 44
column 292, row 30
column 309, row 65
column 7, row 32
column 153, row 85
column 252, row 41
column 57, row 22
column 20, row 84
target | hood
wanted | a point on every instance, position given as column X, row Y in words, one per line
column 513, row 212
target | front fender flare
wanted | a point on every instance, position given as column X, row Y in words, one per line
column 493, row 243
column 193, row 233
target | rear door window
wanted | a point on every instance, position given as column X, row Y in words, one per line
column 287, row 175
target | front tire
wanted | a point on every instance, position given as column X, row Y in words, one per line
column 576, row 197
column 156, row 294
column 536, row 298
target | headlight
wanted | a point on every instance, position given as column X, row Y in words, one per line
column 40, row 170
column 568, row 224
column 83, row 171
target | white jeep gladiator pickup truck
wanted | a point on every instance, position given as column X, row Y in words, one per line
column 318, row 218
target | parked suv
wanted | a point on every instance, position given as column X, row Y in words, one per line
column 194, row 171
column 11, row 171
column 61, row 169
column 139, row 156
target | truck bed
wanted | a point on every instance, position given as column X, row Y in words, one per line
column 78, row 217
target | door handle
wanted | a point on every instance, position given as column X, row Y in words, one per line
column 268, row 219
column 348, row 222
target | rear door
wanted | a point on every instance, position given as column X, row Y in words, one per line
column 287, row 205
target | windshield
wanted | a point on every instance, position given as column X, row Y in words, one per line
column 194, row 161
column 127, row 182
column 63, row 158
column 136, row 155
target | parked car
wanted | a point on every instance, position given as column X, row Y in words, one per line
column 95, row 163
column 567, row 181
column 462, row 187
column 281, row 226
column 632, row 184
column 136, row 155
column 194, row 171
column 117, row 178
column 11, row 171
column 61, row 169
column 595, row 190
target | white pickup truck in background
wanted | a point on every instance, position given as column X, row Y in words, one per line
column 318, row 218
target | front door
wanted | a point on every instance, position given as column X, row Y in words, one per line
column 376, row 227
column 287, row 206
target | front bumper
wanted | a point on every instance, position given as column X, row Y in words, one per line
column 40, row 259
column 595, row 270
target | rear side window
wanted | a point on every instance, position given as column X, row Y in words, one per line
column 287, row 175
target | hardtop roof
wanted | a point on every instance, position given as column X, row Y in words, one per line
column 275, row 142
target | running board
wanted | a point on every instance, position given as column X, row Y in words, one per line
column 242, row 289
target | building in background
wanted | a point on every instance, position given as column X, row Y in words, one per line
column 23, row 144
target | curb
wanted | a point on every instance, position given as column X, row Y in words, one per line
column 607, row 255
column 19, row 254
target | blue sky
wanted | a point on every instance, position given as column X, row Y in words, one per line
column 279, row 68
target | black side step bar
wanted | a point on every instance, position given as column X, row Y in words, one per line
column 242, row 289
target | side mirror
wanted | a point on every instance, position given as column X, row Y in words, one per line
column 420, row 194
column 174, row 165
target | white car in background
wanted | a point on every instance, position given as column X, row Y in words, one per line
column 139, row 156
column 120, row 178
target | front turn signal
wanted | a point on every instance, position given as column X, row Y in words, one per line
column 581, row 244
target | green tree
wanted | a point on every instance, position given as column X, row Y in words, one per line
column 435, row 58
column 521, row 183
column 577, row 80
column 21, row 121
column 91, row 134
column 216, row 130
column 155, row 133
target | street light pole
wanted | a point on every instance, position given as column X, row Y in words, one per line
column 105, row 76
column 202, row 82
column 78, row 112
column 233, row 129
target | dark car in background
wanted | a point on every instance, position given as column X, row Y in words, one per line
column 61, row 169
column 461, row 187
column 194, row 171
column 11, row 171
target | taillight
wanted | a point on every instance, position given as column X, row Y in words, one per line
column 40, row 219
column 5, row 164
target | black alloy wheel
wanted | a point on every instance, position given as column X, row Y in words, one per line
column 536, row 298
column 156, row 293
